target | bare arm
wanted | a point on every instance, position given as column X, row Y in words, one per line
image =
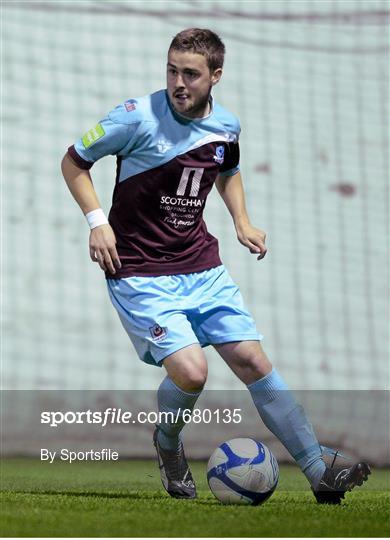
column 232, row 192
column 102, row 238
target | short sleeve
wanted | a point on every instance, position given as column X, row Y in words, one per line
column 231, row 164
column 108, row 137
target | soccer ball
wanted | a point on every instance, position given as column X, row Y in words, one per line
column 242, row 471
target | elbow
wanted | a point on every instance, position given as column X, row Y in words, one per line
column 68, row 168
column 63, row 163
column 68, row 165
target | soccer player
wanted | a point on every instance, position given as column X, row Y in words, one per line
column 164, row 274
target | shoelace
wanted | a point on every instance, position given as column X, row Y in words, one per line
column 334, row 459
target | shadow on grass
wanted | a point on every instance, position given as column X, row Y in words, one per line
column 155, row 495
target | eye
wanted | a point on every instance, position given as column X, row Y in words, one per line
column 172, row 71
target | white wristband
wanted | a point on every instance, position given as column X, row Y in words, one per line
column 96, row 218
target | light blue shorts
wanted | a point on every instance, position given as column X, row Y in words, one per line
column 166, row 313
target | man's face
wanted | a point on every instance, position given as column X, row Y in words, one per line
column 189, row 83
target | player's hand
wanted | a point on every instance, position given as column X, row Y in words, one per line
column 254, row 239
column 102, row 248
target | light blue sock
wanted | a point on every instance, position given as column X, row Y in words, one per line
column 283, row 415
column 172, row 399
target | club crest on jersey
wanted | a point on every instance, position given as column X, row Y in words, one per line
column 163, row 145
column 158, row 332
column 130, row 106
column 219, row 154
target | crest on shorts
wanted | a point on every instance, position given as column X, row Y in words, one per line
column 158, row 332
column 219, row 154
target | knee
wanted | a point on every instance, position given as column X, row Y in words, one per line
column 190, row 377
column 254, row 366
column 187, row 368
column 255, row 369
column 193, row 380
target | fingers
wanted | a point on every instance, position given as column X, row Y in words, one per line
column 260, row 249
column 104, row 261
column 107, row 259
column 257, row 247
column 102, row 249
column 115, row 257
column 263, row 253
column 253, row 248
column 92, row 254
column 255, row 243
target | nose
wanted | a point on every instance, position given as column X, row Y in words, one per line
column 179, row 82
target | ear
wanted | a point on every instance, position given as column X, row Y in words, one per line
column 216, row 76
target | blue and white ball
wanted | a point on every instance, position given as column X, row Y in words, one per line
column 242, row 471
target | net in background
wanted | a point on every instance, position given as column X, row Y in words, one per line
column 309, row 83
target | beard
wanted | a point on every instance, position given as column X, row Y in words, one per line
column 194, row 109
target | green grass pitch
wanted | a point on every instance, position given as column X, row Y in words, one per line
column 125, row 499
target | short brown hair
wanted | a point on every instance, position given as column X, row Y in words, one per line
column 201, row 41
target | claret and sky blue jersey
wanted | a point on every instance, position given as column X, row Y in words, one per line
column 166, row 167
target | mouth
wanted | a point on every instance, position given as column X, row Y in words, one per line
column 181, row 97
